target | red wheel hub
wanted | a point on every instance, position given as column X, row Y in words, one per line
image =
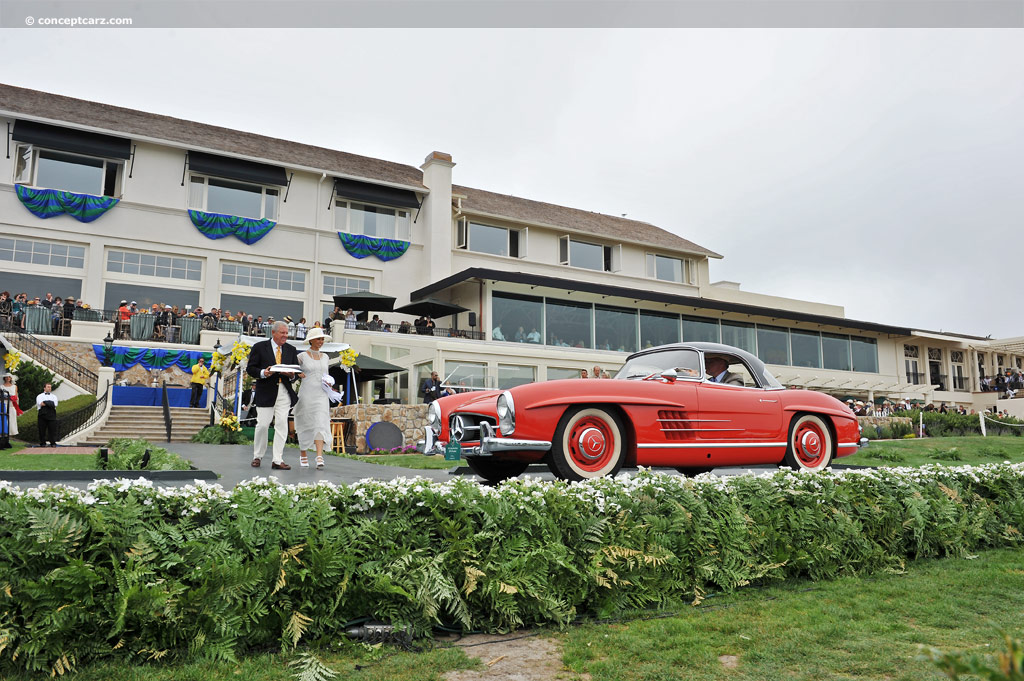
column 809, row 444
column 591, row 443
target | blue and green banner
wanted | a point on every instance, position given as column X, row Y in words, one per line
column 122, row 357
column 217, row 226
column 360, row 246
column 48, row 203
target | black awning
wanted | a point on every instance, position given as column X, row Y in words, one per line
column 236, row 169
column 75, row 141
column 375, row 193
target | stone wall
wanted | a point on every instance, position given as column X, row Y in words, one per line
column 410, row 419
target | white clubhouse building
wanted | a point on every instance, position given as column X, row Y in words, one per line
column 212, row 217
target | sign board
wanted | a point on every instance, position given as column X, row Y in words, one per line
column 452, row 451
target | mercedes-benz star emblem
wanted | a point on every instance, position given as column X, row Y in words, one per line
column 458, row 428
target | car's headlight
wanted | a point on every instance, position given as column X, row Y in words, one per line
column 434, row 417
column 506, row 413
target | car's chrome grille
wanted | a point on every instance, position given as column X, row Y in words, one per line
column 464, row 427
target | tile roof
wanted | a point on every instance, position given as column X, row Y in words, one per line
column 124, row 122
column 597, row 224
column 127, row 122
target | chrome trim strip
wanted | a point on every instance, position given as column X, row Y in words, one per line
column 712, row 444
column 703, row 430
column 490, row 444
column 699, row 420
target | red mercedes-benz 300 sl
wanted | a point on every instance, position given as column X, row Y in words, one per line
column 689, row 406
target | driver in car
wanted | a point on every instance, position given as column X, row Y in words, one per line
column 718, row 371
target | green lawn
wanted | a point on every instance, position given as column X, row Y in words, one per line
column 852, row 628
column 12, row 460
column 952, row 451
column 416, row 461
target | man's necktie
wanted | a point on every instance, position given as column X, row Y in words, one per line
column 277, row 353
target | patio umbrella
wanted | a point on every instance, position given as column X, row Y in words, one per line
column 431, row 307
column 364, row 300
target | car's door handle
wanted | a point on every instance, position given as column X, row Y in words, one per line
column 772, row 401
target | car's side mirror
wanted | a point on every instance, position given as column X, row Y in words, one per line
column 669, row 375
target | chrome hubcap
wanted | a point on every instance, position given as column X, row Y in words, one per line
column 810, row 443
column 591, row 443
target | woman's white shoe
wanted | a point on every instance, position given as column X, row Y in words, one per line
column 303, row 461
column 319, row 462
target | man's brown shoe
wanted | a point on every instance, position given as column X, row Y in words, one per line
column 255, row 463
column 280, row 466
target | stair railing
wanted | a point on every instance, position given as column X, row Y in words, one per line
column 167, row 411
column 54, row 360
column 80, row 419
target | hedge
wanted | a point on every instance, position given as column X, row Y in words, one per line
column 127, row 571
column 951, row 424
column 28, row 423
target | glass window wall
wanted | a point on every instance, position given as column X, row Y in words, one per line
column 865, row 354
column 517, row 318
column 806, row 348
column 740, row 335
column 700, row 330
column 835, row 350
column 773, row 344
column 615, row 329
column 511, row 375
column 658, row 329
column 559, row 373
column 569, row 324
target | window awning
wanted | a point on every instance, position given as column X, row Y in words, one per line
column 68, row 139
column 236, row 169
column 375, row 193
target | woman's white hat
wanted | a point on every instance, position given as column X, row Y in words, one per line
column 317, row 332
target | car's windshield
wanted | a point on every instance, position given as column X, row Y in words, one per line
column 686, row 364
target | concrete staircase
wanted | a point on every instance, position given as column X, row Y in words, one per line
column 147, row 423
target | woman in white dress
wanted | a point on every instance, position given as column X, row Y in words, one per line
column 12, row 406
column 313, row 410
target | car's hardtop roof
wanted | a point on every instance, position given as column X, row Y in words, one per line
column 755, row 364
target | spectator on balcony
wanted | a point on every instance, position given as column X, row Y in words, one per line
column 134, row 308
column 533, row 336
column 375, row 324
column 300, row 329
column 404, row 327
column 47, row 302
column 69, row 308
column 57, row 315
column 6, row 310
column 496, row 333
column 18, row 310
column 124, row 314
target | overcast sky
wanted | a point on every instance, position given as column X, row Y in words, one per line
column 879, row 170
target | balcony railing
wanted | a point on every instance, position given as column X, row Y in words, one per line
column 915, row 378
column 961, row 383
column 939, row 381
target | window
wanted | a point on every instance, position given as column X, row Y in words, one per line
column 865, row 354
column 45, row 253
column 806, row 348
column 262, row 277
column 228, row 197
column 700, row 330
column 835, row 350
column 589, row 256
column 480, row 238
column 379, row 222
column 773, row 344
column 148, row 265
column 740, row 335
column 466, row 374
column 336, row 285
column 560, row 373
column 517, row 318
column 615, row 329
column 910, row 351
column 569, row 324
column 68, row 172
column 669, row 269
column 658, row 329
column 511, row 375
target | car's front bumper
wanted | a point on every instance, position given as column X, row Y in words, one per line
column 489, row 444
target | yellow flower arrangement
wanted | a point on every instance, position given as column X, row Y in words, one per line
column 240, row 353
column 217, row 363
column 348, row 357
column 229, row 422
column 11, row 360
